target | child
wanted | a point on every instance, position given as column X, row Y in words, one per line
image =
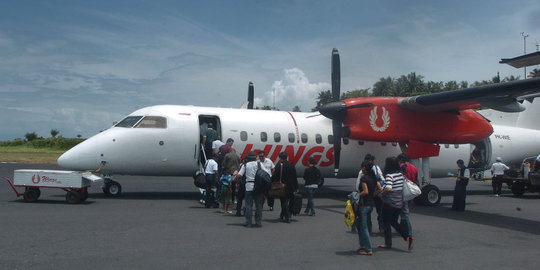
column 226, row 192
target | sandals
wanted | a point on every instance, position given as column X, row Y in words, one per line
column 384, row 246
column 365, row 253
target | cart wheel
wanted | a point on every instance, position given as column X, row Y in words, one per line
column 73, row 196
column 112, row 188
column 84, row 194
column 31, row 195
column 38, row 192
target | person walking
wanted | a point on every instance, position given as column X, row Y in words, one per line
column 268, row 166
column 312, row 178
column 249, row 171
column 378, row 199
column 286, row 172
column 497, row 170
column 410, row 172
column 212, row 176
column 369, row 188
column 460, row 190
column 392, row 202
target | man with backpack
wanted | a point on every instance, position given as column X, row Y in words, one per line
column 251, row 196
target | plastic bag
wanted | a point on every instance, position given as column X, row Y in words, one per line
column 349, row 214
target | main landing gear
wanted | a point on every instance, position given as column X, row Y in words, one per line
column 431, row 195
column 111, row 188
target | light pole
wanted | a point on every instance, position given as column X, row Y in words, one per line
column 524, row 52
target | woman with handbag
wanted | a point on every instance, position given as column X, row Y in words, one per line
column 392, row 202
column 286, row 174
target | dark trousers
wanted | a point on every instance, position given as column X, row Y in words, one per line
column 286, row 206
column 270, row 201
column 210, row 198
column 390, row 218
column 460, row 192
column 496, row 183
column 378, row 209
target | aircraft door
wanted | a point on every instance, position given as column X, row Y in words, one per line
column 207, row 122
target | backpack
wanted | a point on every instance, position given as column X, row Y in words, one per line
column 263, row 181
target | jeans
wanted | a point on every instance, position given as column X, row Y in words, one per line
column 309, row 207
column 250, row 198
column 405, row 220
column 363, row 231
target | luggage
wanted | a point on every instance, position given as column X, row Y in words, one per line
column 199, row 180
column 262, row 180
column 297, row 204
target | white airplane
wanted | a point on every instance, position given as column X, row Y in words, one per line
column 165, row 140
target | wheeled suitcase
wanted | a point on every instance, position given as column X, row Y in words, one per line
column 297, row 205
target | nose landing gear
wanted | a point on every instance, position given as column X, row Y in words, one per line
column 111, row 188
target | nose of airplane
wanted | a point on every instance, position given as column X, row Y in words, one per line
column 81, row 157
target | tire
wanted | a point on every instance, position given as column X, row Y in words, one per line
column 31, row 195
column 73, row 196
column 431, row 196
column 84, row 194
column 518, row 188
column 113, row 189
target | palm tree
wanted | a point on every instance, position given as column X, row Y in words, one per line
column 534, row 73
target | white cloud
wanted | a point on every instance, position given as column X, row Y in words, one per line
column 294, row 89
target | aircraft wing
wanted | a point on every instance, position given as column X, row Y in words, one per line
column 503, row 97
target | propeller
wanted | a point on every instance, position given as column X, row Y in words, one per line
column 251, row 93
column 336, row 110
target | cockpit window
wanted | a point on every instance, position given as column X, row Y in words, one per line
column 129, row 121
column 152, row 122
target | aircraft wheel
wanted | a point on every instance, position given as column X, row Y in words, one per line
column 431, row 196
column 31, row 195
column 518, row 188
column 112, row 188
column 73, row 196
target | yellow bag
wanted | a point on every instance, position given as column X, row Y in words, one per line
column 349, row 214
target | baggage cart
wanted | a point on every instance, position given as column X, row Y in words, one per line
column 75, row 183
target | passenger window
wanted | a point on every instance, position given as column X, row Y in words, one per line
column 360, row 142
column 152, row 122
column 331, row 139
column 345, row 141
column 243, row 136
column 383, row 143
column 318, row 138
column 304, row 138
column 264, row 137
column 277, row 137
column 291, row 137
column 446, row 146
column 129, row 121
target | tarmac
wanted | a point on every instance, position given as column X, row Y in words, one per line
column 158, row 223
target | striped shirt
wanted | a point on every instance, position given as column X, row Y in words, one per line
column 394, row 198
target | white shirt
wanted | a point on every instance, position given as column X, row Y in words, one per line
column 211, row 167
column 249, row 171
column 216, row 145
column 267, row 165
column 498, row 168
column 538, row 158
column 466, row 173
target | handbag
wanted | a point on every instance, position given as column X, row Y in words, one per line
column 277, row 190
column 410, row 190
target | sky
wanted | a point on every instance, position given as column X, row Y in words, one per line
column 78, row 66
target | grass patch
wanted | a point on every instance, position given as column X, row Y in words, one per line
column 29, row 155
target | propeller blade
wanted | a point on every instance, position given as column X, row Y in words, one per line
column 337, row 109
column 251, row 94
column 336, row 75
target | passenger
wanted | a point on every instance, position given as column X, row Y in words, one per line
column 460, row 191
column 249, row 171
column 286, row 173
column 392, row 202
column 497, row 170
column 226, row 198
column 212, row 174
column 369, row 188
column 223, row 150
column 209, row 136
column 216, row 145
column 231, row 162
column 411, row 172
column 240, row 183
column 312, row 178
column 269, row 167
column 378, row 200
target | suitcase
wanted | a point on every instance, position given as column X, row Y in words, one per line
column 297, row 204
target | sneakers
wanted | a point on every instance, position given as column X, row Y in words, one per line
column 271, row 208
